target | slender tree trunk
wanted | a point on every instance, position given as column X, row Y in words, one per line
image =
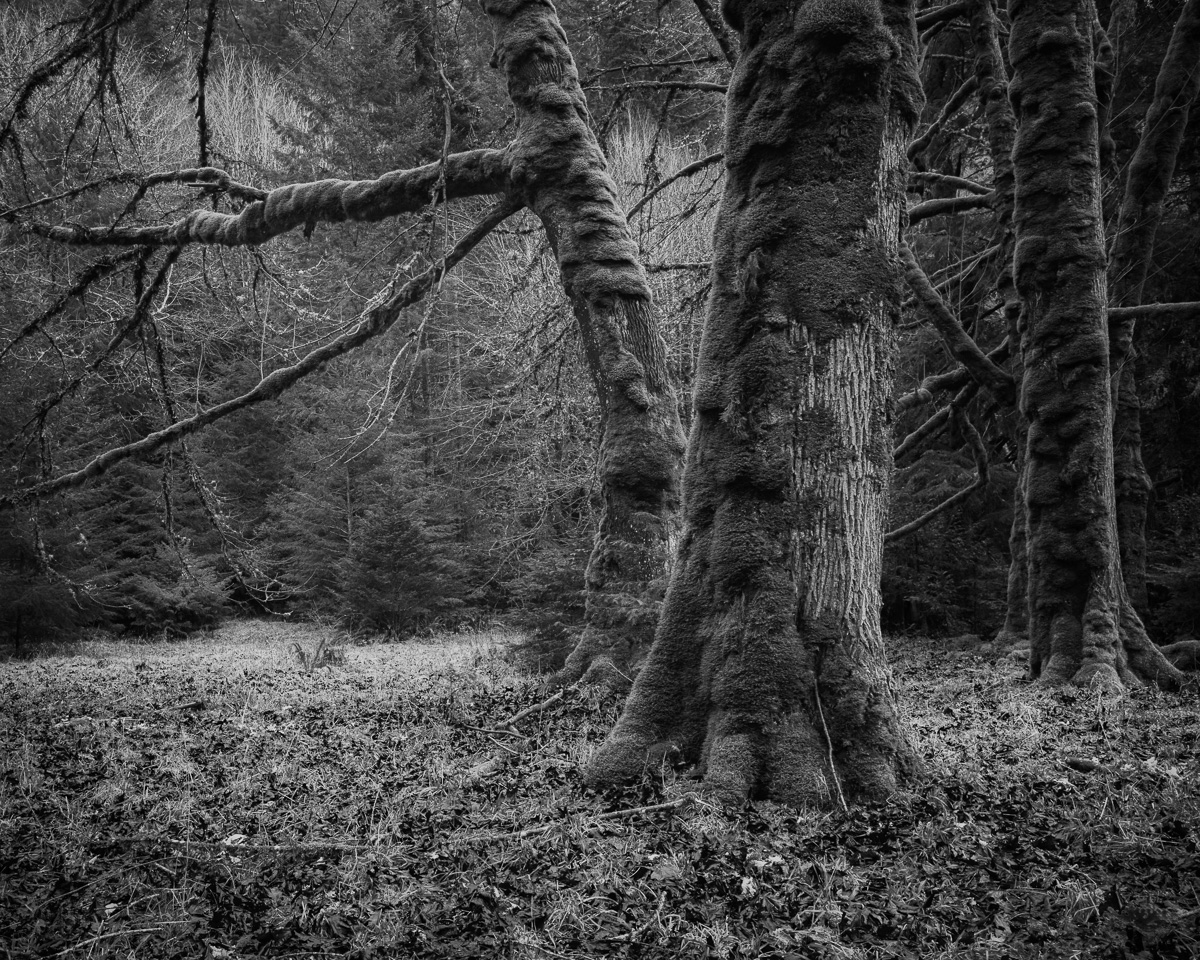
column 1149, row 178
column 1082, row 626
column 768, row 670
column 993, row 93
column 557, row 167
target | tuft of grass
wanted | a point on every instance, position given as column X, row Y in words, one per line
column 208, row 798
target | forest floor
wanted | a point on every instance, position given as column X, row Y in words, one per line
column 213, row 798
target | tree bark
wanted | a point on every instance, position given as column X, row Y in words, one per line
column 1146, row 187
column 1082, row 626
column 993, row 93
column 768, row 670
column 556, row 166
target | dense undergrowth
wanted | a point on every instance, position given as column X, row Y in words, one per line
column 214, row 799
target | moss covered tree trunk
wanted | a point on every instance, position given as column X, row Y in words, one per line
column 556, row 166
column 993, row 94
column 1082, row 626
column 1146, row 186
column 768, row 670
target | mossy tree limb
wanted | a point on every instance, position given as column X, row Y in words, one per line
column 1081, row 624
column 558, row 169
column 768, row 669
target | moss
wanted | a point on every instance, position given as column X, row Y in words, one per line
column 803, row 291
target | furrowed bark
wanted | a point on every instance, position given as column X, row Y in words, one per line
column 1082, row 627
column 1146, row 187
column 768, row 670
column 557, row 167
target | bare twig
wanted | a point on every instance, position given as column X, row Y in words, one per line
column 694, row 167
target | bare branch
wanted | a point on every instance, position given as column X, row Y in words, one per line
column 981, row 479
column 694, row 167
column 376, row 322
column 471, row 173
column 964, row 349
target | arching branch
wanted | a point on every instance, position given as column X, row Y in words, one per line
column 472, row 173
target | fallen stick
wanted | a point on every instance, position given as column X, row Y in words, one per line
column 536, row 708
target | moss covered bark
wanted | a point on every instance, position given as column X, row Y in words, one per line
column 1146, row 187
column 1081, row 624
column 993, row 95
column 768, row 670
column 556, row 166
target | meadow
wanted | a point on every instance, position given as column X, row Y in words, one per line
column 223, row 797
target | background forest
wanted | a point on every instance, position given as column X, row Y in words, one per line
column 449, row 477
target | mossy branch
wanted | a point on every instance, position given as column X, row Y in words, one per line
column 270, row 214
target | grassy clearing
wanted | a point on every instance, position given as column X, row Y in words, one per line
column 212, row 798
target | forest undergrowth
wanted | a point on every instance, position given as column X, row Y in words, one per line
column 219, row 798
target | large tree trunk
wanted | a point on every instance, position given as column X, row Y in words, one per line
column 557, row 167
column 1082, row 626
column 1149, row 178
column 768, row 670
column 993, row 93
